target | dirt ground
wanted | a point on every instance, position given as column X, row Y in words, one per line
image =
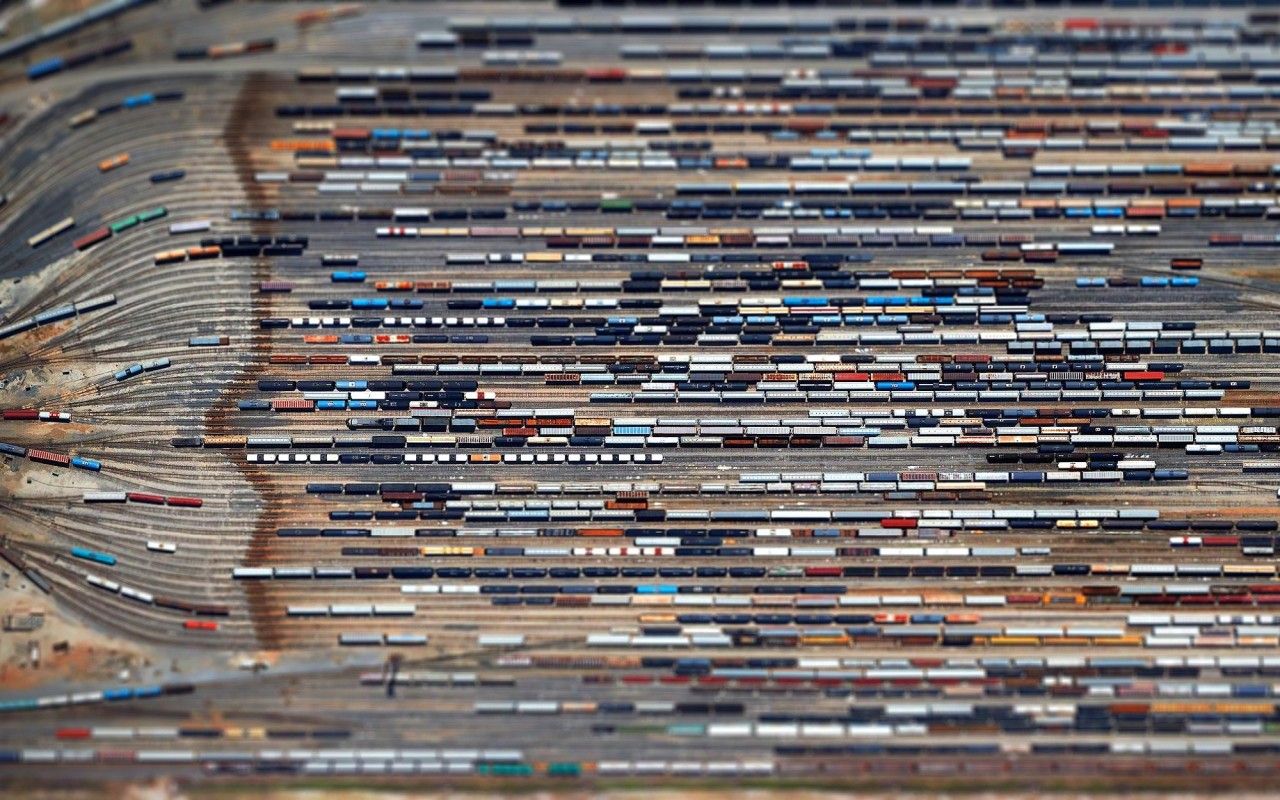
column 90, row 657
column 27, row 15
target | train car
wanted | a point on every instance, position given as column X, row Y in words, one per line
column 90, row 239
column 105, row 497
column 44, row 456
column 82, row 118
column 190, row 226
column 91, row 555
column 43, row 69
column 115, row 162
column 122, row 225
column 51, row 231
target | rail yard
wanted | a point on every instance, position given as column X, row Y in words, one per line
column 568, row 391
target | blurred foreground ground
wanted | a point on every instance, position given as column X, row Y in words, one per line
column 167, row 790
